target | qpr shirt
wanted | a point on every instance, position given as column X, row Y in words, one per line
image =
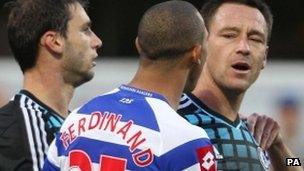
column 129, row 129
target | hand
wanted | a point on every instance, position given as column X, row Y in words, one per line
column 265, row 129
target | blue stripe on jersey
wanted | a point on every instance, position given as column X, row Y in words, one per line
column 96, row 148
column 186, row 152
column 137, row 110
column 48, row 166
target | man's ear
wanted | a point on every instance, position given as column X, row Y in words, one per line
column 265, row 57
column 137, row 46
column 196, row 54
column 53, row 41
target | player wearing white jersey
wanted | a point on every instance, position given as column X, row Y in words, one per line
column 135, row 127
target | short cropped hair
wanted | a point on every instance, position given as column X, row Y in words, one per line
column 170, row 29
column 29, row 20
column 210, row 8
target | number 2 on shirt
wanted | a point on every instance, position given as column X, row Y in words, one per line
column 81, row 160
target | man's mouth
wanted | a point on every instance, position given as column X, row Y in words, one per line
column 241, row 66
column 94, row 61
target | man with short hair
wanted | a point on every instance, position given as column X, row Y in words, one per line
column 136, row 127
column 239, row 31
column 55, row 49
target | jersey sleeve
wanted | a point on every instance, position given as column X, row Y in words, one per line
column 14, row 148
column 52, row 161
column 48, row 166
column 196, row 155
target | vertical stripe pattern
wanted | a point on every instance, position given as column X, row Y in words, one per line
column 35, row 128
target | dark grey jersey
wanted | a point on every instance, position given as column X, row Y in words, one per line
column 27, row 127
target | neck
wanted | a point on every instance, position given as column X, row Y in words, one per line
column 49, row 88
column 224, row 102
column 163, row 80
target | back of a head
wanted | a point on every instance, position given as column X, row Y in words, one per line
column 170, row 29
column 29, row 20
column 211, row 6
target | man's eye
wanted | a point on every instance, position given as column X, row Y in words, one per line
column 229, row 36
column 87, row 30
column 256, row 39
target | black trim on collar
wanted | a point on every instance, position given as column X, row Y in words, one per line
column 34, row 98
column 205, row 107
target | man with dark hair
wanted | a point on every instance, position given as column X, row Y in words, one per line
column 55, row 48
column 136, row 127
column 239, row 31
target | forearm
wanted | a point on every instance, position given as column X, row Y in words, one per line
column 278, row 153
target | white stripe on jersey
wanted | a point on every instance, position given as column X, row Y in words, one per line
column 42, row 126
column 111, row 92
column 185, row 104
column 36, row 131
column 166, row 116
column 53, row 153
column 29, row 132
column 183, row 98
column 194, row 167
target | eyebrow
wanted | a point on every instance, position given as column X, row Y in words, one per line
column 229, row 29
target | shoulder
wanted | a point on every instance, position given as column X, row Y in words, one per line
column 174, row 129
column 10, row 116
column 8, row 110
column 99, row 101
column 13, row 136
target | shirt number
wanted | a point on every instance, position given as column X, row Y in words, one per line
column 80, row 160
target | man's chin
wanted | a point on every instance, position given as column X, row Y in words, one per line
column 237, row 86
column 240, row 88
column 85, row 78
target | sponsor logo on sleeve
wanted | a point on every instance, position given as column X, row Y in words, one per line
column 206, row 158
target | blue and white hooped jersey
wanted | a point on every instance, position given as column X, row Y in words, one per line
column 235, row 146
column 129, row 129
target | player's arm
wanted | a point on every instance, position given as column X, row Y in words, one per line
column 278, row 153
column 14, row 164
column 14, row 150
column 266, row 131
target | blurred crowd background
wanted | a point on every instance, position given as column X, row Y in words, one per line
column 279, row 91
